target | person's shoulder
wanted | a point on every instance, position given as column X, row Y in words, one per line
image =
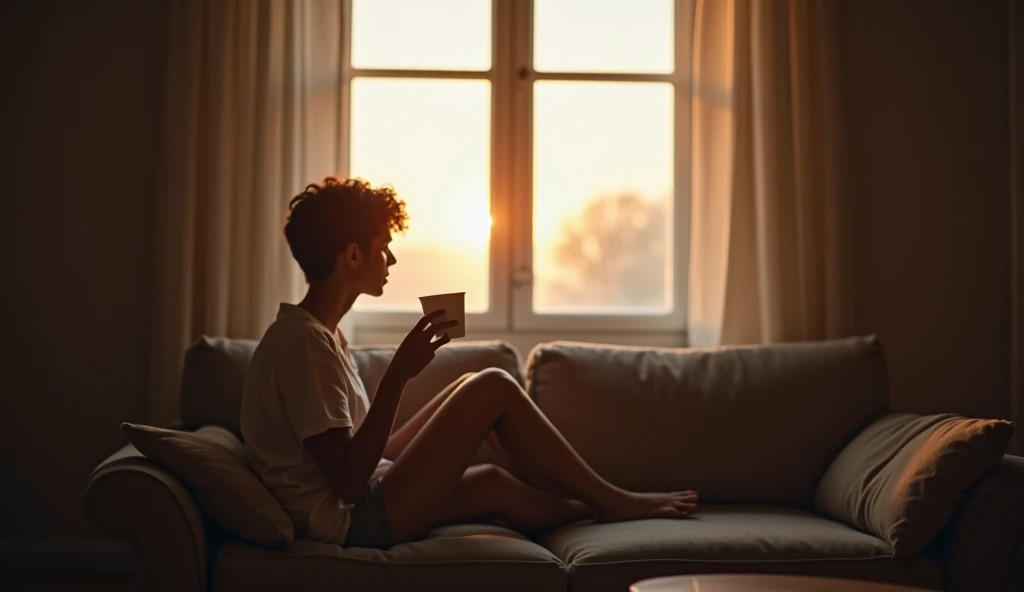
column 298, row 335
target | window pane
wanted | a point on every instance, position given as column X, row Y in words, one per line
column 602, row 198
column 430, row 139
column 420, row 35
column 633, row 36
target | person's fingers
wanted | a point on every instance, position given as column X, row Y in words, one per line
column 444, row 325
column 428, row 318
column 439, row 342
column 432, row 330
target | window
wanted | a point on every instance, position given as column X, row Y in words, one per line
column 542, row 149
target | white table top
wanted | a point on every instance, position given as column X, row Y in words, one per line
column 762, row 583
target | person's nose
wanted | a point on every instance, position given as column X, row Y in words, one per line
column 391, row 259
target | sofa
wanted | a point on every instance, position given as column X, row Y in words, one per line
column 769, row 435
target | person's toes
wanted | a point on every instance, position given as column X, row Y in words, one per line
column 685, row 507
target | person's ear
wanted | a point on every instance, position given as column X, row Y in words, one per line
column 353, row 255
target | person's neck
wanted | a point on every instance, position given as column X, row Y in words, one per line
column 328, row 303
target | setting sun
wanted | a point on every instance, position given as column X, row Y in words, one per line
column 474, row 228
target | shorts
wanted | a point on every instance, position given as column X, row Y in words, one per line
column 369, row 525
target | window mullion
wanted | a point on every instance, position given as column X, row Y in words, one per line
column 521, row 274
column 502, row 158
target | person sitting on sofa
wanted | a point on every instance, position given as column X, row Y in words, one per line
column 329, row 455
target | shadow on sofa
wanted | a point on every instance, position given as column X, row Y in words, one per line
column 801, row 467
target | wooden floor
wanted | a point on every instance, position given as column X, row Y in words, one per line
column 124, row 584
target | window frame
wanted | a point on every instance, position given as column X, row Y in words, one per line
column 512, row 78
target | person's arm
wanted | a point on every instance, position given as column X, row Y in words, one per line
column 346, row 459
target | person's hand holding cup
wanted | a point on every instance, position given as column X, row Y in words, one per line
column 454, row 305
column 417, row 349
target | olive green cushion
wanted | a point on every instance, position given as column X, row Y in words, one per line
column 904, row 476
column 211, row 461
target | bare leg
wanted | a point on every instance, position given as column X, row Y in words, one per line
column 403, row 435
column 424, row 478
column 517, row 472
column 488, row 491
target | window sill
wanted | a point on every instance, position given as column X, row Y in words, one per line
column 524, row 341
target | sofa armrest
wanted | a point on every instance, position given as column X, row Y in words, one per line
column 131, row 497
column 979, row 546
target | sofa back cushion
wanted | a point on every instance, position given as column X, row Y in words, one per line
column 215, row 367
column 738, row 424
column 450, row 362
column 212, row 382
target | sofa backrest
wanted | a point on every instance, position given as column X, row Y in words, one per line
column 756, row 424
column 215, row 368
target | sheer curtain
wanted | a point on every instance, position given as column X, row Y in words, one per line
column 252, row 108
column 768, row 237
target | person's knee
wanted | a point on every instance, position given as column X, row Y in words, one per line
column 494, row 484
column 496, row 379
column 460, row 382
column 492, row 476
column 492, row 388
column 489, row 482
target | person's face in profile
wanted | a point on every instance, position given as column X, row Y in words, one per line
column 371, row 270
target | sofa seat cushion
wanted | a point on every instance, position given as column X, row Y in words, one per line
column 729, row 538
column 460, row 557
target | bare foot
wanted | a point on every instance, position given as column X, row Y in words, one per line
column 634, row 506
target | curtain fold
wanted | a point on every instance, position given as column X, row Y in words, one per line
column 769, row 237
column 252, row 116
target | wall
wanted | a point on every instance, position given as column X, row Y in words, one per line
column 1017, row 223
column 926, row 113
column 83, row 86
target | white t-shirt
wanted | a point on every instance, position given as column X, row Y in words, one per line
column 302, row 381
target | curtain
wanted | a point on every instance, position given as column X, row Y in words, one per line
column 252, row 116
column 768, row 252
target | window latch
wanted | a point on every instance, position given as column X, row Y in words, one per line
column 522, row 277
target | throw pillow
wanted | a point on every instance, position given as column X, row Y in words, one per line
column 211, row 461
column 904, row 476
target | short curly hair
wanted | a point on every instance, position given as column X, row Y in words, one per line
column 326, row 218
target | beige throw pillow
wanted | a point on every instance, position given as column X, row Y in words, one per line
column 211, row 461
column 904, row 476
